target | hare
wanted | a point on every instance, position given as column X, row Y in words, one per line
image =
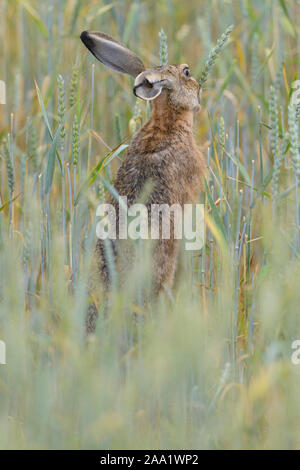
column 163, row 151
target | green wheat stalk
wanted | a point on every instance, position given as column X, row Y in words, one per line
column 74, row 86
column 32, row 147
column 163, row 47
column 9, row 168
column 294, row 139
column 214, row 54
column 273, row 110
column 10, row 175
column 294, row 142
column 61, row 111
column 75, row 148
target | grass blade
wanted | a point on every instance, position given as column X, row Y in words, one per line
column 98, row 168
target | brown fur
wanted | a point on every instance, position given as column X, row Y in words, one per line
column 164, row 152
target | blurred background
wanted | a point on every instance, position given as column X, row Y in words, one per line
column 209, row 365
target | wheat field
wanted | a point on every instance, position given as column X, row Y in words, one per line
column 210, row 365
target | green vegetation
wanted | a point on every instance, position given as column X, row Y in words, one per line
column 210, row 365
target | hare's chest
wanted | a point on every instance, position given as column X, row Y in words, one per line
column 178, row 173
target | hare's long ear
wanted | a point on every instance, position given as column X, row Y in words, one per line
column 112, row 53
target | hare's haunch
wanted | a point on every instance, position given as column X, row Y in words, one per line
column 163, row 151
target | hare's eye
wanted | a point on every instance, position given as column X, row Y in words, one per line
column 186, row 72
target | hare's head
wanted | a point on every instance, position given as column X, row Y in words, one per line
column 175, row 81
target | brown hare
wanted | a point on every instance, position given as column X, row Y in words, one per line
column 163, row 151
